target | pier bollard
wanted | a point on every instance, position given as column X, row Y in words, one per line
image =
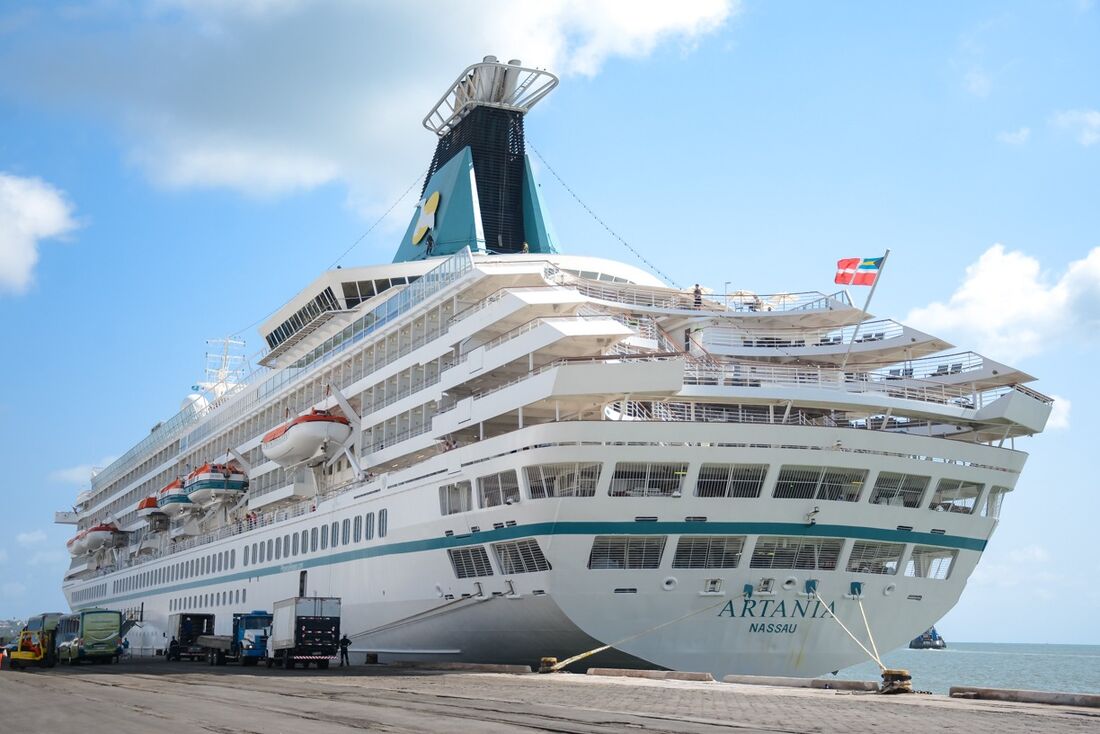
column 896, row 681
column 546, row 665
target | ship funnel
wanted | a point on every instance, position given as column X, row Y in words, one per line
column 479, row 192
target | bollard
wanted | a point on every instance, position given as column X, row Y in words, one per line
column 896, row 681
column 546, row 665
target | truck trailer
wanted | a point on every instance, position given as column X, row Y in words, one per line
column 304, row 630
column 186, row 628
column 246, row 644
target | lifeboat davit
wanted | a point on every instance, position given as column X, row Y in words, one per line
column 172, row 500
column 314, row 437
column 215, row 481
column 78, row 544
column 100, row 535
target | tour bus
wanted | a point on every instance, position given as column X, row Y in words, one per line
column 90, row 634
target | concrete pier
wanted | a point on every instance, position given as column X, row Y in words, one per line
column 156, row 697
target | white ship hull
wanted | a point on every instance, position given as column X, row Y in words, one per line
column 401, row 599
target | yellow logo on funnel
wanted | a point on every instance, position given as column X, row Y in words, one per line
column 426, row 221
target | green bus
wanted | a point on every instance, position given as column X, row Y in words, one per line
column 90, row 634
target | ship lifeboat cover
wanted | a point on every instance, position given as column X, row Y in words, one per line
column 302, row 438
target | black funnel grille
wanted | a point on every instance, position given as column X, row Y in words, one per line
column 495, row 137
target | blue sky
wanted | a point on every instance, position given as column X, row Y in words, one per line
column 175, row 172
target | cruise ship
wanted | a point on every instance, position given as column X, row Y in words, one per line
column 493, row 451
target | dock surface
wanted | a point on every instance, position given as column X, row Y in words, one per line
column 151, row 697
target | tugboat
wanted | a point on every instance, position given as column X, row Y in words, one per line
column 930, row 640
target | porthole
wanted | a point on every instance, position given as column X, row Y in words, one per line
column 790, row 583
column 669, row 583
column 889, row 589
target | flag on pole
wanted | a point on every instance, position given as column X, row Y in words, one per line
column 858, row 270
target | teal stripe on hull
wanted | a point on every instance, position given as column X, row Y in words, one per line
column 574, row 528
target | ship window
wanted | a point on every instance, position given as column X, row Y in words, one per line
column 294, row 545
column 324, row 537
column 255, row 558
column 369, row 532
column 313, row 540
column 357, row 533
column 639, row 479
column 820, row 482
column 899, row 490
column 470, row 562
column 286, row 546
column 520, row 556
column 454, row 498
column 383, row 523
column 244, row 596
column 931, row 562
column 335, row 534
column 563, row 480
column 803, row 553
column 730, row 480
column 221, row 562
column 719, row 551
column 956, row 495
column 262, row 556
column 305, row 542
column 626, row 551
column 278, row 549
column 498, row 489
column 345, row 532
column 993, row 502
column 270, row 549
column 233, row 558
column 870, row 557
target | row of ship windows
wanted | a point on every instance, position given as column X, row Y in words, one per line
column 345, row 532
column 640, row 479
column 92, row 592
column 215, row 599
column 208, row 564
column 718, row 551
column 338, row 533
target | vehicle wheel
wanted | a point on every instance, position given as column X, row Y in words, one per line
column 219, row 658
column 322, row 665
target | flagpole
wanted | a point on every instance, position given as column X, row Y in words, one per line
column 866, row 305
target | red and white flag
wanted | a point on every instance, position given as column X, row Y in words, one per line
column 858, row 270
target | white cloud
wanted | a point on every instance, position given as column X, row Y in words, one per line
column 1010, row 309
column 13, row 589
column 31, row 210
column 1059, row 415
column 1015, row 137
column 977, row 82
column 30, row 538
column 273, row 96
column 1083, row 124
column 81, row 473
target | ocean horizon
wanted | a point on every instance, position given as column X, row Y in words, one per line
column 1030, row 666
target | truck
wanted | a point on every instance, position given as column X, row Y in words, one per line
column 37, row 642
column 185, row 628
column 304, row 629
column 246, row 644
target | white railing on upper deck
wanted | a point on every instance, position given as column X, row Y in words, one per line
column 385, row 313
column 940, row 365
column 867, row 332
column 765, row 302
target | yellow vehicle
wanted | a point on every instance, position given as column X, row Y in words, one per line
column 90, row 634
column 37, row 642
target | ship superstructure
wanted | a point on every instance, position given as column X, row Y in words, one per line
column 492, row 451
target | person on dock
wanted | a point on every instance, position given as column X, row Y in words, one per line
column 344, row 644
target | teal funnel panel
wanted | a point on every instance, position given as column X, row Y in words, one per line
column 537, row 227
column 456, row 222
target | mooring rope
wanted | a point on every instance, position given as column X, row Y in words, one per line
column 874, row 657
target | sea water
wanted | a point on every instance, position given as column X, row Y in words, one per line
column 1070, row 668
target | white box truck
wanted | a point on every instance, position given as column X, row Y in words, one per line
column 304, row 629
